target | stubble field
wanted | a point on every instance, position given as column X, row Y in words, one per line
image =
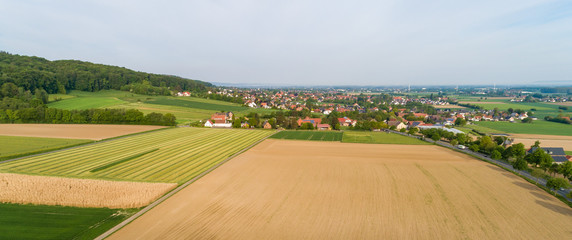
column 330, row 190
column 545, row 140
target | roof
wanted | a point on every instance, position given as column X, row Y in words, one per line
column 550, row 150
column 560, row 158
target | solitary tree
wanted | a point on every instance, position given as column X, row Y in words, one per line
column 537, row 173
column 557, row 183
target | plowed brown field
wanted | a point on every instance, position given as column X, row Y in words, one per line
column 317, row 190
column 24, row 189
column 75, row 131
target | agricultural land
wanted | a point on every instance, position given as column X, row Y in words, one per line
column 24, row 189
column 19, row 146
column 300, row 189
column 309, row 135
column 536, row 127
column 19, row 221
column 379, row 138
column 185, row 109
column 72, row 131
column 172, row 155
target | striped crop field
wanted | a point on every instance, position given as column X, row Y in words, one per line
column 173, row 155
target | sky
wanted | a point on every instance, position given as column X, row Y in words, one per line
column 300, row 42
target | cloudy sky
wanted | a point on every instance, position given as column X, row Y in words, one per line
column 377, row 42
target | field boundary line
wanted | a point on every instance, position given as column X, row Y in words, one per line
column 174, row 191
column 82, row 145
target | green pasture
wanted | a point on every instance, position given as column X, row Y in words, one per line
column 192, row 103
column 185, row 109
column 482, row 129
column 56, row 222
column 309, row 135
column 536, row 127
column 379, row 138
column 568, row 153
column 11, row 146
column 172, row 155
column 86, row 103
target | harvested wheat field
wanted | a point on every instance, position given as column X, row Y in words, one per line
column 23, row 189
column 328, row 190
column 75, row 131
column 545, row 140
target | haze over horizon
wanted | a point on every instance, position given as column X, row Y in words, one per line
column 296, row 42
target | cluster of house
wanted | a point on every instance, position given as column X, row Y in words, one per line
column 220, row 120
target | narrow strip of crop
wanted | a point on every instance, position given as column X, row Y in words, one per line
column 122, row 161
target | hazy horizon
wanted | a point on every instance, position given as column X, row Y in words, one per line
column 318, row 43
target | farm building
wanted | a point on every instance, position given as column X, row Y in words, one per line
column 557, row 153
column 208, row 123
column 266, row 125
column 324, row 127
column 397, row 124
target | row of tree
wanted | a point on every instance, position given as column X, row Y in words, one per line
column 41, row 114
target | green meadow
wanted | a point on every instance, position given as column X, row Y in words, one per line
column 536, row 127
column 55, row 222
column 309, row 135
column 186, row 109
column 379, row 138
column 13, row 146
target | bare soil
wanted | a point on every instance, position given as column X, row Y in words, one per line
column 74, row 131
column 25, row 189
column 328, row 190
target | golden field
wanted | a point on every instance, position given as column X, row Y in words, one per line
column 24, row 189
column 329, row 190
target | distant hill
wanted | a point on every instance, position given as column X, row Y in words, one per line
column 33, row 73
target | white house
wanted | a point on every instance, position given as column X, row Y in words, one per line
column 208, row 123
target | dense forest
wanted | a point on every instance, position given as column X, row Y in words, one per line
column 32, row 73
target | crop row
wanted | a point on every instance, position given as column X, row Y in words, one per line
column 172, row 155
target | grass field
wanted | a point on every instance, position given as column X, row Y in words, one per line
column 568, row 153
column 55, row 222
column 379, row 138
column 309, row 135
column 18, row 146
column 330, row 190
column 172, row 155
column 186, row 109
column 536, row 127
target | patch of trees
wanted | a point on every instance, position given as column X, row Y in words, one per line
column 468, row 105
column 567, row 90
column 558, row 119
column 32, row 73
column 42, row 114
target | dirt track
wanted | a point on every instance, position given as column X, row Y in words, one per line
column 74, row 131
column 318, row 190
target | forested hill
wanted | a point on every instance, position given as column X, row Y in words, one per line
column 33, row 73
